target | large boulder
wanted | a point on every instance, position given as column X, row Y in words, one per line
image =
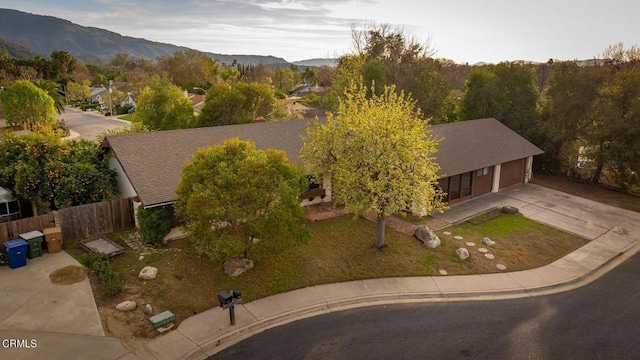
column 236, row 267
column 427, row 237
column 148, row 273
column 126, row 305
column 462, row 253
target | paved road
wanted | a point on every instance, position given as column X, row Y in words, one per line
column 598, row 321
column 89, row 124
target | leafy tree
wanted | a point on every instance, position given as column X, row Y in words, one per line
column 44, row 169
column 77, row 91
column 386, row 56
column 566, row 111
column 163, row 106
column 233, row 198
column 190, row 68
column 505, row 91
column 283, row 79
column 54, row 91
column 380, row 156
column 27, row 105
column 62, row 64
column 613, row 135
column 238, row 104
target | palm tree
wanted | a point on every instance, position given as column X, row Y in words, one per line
column 54, row 91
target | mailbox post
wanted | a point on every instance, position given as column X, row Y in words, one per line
column 228, row 300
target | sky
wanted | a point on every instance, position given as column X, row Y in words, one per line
column 466, row 31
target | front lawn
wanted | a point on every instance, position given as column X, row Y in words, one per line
column 341, row 249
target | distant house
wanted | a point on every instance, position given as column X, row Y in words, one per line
column 476, row 157
column 306, row 89
column 99, row 94
column 197, row 101
column 128, row 101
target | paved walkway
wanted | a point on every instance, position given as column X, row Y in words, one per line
column 615, row 235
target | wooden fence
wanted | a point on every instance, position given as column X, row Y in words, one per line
column 78, row 222
column 12, row 229
column 84, row 221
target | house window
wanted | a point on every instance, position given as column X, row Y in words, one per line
column 312, row 183
column 483, row 172
column 457, row 186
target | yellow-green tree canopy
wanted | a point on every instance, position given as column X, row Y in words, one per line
column 232, row 194
column 27, row 105
column 163, row 106
column 379, row 154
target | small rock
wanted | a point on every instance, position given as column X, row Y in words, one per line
column 462, row 253
column 443, row 272
column 488, row 241
column 446, row 233
column 458, row 237
column 511, row 210
column 141, row 257
column 148, row 309
column 501, row 267
column 470, row 244
column 483, row 250
column 126, row 305
column 427, row 237
column 489, row 256
column 148, row 273
column 236, row 267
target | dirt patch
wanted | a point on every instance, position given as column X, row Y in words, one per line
column 587, row 190
column 68, row 275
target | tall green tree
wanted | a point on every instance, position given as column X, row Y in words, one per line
column 46, row 170
column 239, row 103
column 27, row 105
column 190, row 68
column 566, row 111
column 163, row 106
column 506, row 92
column 379, row 154
column 234, row 197
column 613, row 135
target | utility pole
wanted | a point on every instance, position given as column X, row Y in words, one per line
column 110, row 103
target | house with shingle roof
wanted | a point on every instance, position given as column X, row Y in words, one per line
column 476, row 157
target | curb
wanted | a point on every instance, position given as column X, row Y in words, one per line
column 231, row 338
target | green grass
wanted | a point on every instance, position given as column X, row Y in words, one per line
column 128, row 117
column 341, row 249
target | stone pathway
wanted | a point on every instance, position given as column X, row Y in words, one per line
column 323, row 211
column 135, row 243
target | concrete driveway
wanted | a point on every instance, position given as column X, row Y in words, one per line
column 580, row 216
column 29, row 301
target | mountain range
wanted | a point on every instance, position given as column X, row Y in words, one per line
column 27, row 34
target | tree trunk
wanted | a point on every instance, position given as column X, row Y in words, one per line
column 380, row 233
column 596, row 176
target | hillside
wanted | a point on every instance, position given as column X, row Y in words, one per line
column 44, row 34
column 317, row 62
column 17, row 51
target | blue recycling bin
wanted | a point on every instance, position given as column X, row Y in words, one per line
column 17, row 252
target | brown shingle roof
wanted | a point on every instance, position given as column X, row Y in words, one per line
column 474, row 144
column 153, row 161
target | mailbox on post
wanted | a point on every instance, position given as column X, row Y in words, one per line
column 225, row 299
column 228, row 299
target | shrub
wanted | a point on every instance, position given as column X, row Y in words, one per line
column 154, row 223
column 100, row 265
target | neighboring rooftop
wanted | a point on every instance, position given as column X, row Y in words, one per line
column 153, row 161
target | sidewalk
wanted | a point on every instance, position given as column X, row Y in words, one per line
column 615, row 235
